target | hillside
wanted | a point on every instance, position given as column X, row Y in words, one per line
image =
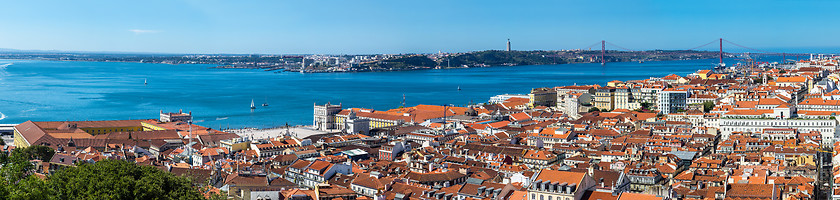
column 495, row 58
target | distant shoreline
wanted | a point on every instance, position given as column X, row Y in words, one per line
column 378, row 63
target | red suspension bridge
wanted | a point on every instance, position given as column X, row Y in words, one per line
column 617, row 50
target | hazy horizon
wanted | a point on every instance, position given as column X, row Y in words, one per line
column 393, row 27
column 814, row 50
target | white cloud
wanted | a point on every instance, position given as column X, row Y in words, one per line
column 143, row 31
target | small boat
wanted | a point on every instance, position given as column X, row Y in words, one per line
column 266, row 102
column 459, row 87
column 252, row 105
column 145, row 82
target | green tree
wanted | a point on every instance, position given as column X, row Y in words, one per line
column 16, row 179
column 16, row 166
column 4, row 157
column 107, row 179
column 118, row 179
column 30, row 187
column 218, row 196
column 708, row 106
column 4, row 191
column 646, row 105
column 593, row 109
column 35, row 152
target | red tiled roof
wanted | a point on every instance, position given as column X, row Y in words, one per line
column 560, row 176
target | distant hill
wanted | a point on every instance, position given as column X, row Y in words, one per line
column 472, row 59
column 403, row 63
column 396, row 63
column 496, row 58
column 516, row 58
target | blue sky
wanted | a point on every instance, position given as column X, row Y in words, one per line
column 359, row 27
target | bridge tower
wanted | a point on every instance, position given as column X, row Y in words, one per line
column 721, row 52
column 603, row 52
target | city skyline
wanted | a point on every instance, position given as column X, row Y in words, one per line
column 419, row 100
column 408, row 27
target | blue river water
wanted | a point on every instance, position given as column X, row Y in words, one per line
column 220, row 98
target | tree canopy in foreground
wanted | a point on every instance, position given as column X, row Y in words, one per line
column 107, row 179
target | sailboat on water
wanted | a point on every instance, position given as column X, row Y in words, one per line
column 252, row 104
column 145, row 82
column 265, row 103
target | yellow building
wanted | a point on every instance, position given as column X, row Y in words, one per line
column 393, row 117
column 374, row 122
column 47, row 133
column 151, row 127
column 804, row 160
column 703, row 74
column 605, row 98
column 236, row 144
column 542, row 97
column 615, row 83
column 717, row 76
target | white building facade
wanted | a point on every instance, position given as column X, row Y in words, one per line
column 826, row 127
